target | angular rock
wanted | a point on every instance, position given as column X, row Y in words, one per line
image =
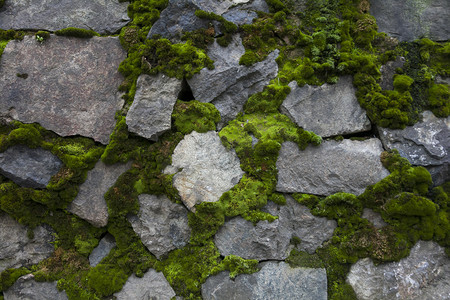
column 388, row 70
column 151, row 111
column 29, row 167
column 208, row 168
column 374, row 218
column 161, row 224
column 16, row 249
column 412, row 19
column 424, row 274
column 245, row 13
column 105, row 245
column 327, row 110
column 26, row 288
column 70, row 87
column 90, row 203
column 237, row 82
column 152, row 286
column 104, row 17
column 347, row 166
column 275, row 280
column 427, row 144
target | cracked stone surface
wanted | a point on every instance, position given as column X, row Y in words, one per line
column 26, row 288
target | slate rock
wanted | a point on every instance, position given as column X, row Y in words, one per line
column 387, row 72
column 71, row 86
column 90, row 203
column 26, row 288
column 275, row 280
column 237, row 82
column 104, row 17
column 424, row 274
column 161, row 224
column 412, row 19
column 427, row 144
column 152, row 286
column 327, row 110
column 245, row 13
column 151, row 111
column 16, row 249
column 106, row 244
column 346, row 166
column 208, row 168
column 374, row 218
column 29, row 167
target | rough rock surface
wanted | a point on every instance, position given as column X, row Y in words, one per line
column 90, row 203
column 19, row 250
column 245, row 13
column 412, row 19
column 151, row 111
column 104, row 17
column 425, row 274
column 209, row 169
column 26, row 288
column 374, row 218
column 29, row 167
column 70, row 86
column 346, row 166
column 161, row 224
column 387, row 72
column 427, row 144
column 237, row 82
column 327, row 110
column 275, row 280
column 102, row 250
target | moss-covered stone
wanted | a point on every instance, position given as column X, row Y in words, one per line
column 76, row 32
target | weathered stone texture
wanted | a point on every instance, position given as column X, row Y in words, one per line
column 388, row 71
column 105, row 245
column 26, row 288
column 374, row 218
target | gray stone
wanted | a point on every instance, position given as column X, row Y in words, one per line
column 374, row 218
column 26, row 288
column 16, row 249
column 104, row 17
column 412, row 19
column 427, row 144
column 245, row 13
column 387, row 72
column 90, row 203
column 71, row 86
column 29, row 167
column 151, row 111
column 327, row 110
column 152, row 286
column 275, row 280
column 347, row 166
column 161, row 224
column 442, row 80
column 237, row 82
column 105, row 245
column 424, row 274
column 208, row 168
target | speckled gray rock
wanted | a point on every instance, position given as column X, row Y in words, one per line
column 237, row 82
column 424, row 274
column 71, row 86
column 374, row 218
column 90, row 203
column 275, row 280
column 345, row 166
column 245, row 13
column 16, row 249
column 26, row 288
column 102, row 250
column 387, row 72
column 151, row 111
column 29, row 167
column 105, row 17
column 327, row 110
column 427, row 144
column 152, row 286
column 412, row 19
column 208, row 168
column 161, row 224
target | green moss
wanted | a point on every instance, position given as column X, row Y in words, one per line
column 9, row 276
column 106, row 280
column 237, row 265
column 76, row 32
column 402, row 83
column 439, row 100
column 226, row 26
column 195, row 116
column 303, row 259
column 41, row 36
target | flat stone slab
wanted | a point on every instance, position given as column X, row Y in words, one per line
column 150, row 114
column 16, row 249
column 70, row 86
column 208, row 169
column 275, row 280
column 161, row 224
column 29, row 167
column 90, row 203
column 327, row 110
column 104, row 17
column 346, row 166
column 424, row 274
column 106, row 244
column 26, row 288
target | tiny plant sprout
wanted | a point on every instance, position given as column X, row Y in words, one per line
column 40, row 39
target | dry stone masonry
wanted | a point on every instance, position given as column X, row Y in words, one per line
column 27, row 288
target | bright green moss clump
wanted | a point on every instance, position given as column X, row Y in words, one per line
column 195, row 116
